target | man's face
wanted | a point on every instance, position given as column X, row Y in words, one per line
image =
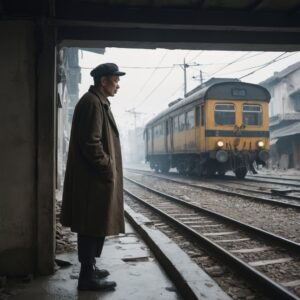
column 110, row 85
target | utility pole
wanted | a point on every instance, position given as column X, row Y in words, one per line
column 184, row 66
column 135, row 114
column 134, row 148
column 199, row 78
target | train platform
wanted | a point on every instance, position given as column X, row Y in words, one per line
column 133, row 266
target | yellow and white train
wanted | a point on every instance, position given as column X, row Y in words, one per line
column 224, row 126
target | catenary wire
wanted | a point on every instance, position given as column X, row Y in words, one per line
column 268, row 63
column 155, row 88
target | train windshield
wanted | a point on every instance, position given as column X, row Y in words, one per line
column 252, row 115
column 225, row 114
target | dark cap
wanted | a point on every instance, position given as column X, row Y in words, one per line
column 106, row 69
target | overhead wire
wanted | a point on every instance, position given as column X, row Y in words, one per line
column 155, row 88
column 177, row 89
column 187, row 54
column 197, row 55
column 268, row 63
column 250, row 68
column 229, row 64
column 150, row 76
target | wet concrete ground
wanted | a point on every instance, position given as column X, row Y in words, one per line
column 128, row 259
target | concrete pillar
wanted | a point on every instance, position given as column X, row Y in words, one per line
column 46, row 132
column 296, row 151
column 27, row 127
column 18, row 207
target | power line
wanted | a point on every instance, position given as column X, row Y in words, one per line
column 151, row 75
column 229, row 64
column 268, row 63
column 173, row 93
column 187, row 54
column 142, row 68
column 250, row 68
column 245, row 69
column 156, row 87
column 165, row 67
column 197, row 55
column 254, row 55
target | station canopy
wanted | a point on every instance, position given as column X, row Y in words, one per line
column 288, row 130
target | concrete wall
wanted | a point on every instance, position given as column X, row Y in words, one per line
column 17, row 148
column 281, row 102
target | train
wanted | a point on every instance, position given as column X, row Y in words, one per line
column 220, row 127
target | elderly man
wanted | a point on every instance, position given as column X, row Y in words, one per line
column 93, row 188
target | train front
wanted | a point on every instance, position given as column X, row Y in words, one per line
column 237, row 127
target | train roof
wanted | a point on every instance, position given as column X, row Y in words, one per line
column 232, row 90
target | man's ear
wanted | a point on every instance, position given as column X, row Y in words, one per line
column 103, row 81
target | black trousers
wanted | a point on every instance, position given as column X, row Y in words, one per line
column 88, row 248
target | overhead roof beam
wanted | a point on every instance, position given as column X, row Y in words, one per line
column 183, row 17
column 254, row 5
column 186, row 39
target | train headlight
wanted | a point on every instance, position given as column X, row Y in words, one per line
column 220, row 144
column 260, row 144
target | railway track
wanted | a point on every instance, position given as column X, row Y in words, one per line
column 286, row 178
column 271, row 180
column 285, row 200
column 250, row 188
column 266, row 259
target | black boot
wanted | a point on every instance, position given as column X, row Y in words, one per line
column 89, row 282
column 100, row 273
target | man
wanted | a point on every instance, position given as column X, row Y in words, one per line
column 93, row 189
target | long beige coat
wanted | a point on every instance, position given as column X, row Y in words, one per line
column 93, row 188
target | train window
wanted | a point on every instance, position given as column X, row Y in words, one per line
column 225, row 114
column 202, row 115
column 190, row 119
column 175, row 124
column 161, row 129
column 252, row 114
column 197, row 116
column 181, row 122
column 166, row 127
column 157, row 131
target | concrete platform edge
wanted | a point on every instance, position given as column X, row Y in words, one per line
column 192, row 281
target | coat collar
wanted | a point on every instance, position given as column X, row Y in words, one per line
column 105, row 102
column 101, row 97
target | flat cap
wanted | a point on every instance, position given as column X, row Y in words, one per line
column 106, row 69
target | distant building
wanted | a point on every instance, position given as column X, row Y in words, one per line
column 134, row 146
column 68, row 80
column 284, row 88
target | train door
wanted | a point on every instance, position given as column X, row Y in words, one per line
column 146, row 139
column 200, row 124
column 190, row 137
column 166, row 130
column 171, row 144
column 152, row 140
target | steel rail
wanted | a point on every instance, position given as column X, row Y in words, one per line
column 252, row 229
column 256, row 179
column 230, row 193
column 270, row 194
column 268, row 286
column 233, row 178
column 273, row 177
